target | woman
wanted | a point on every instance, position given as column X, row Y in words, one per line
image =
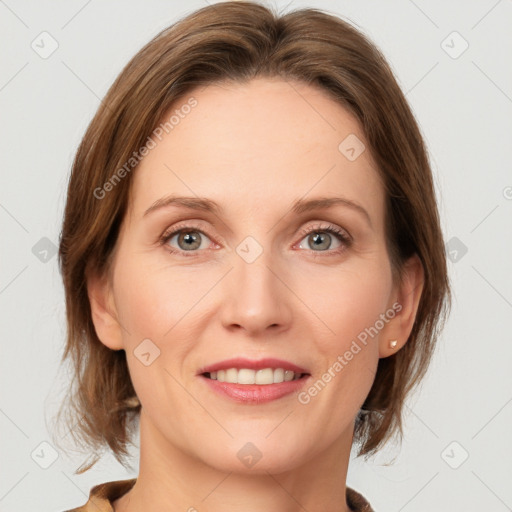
column 253, row 264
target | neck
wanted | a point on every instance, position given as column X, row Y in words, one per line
column 171, row 479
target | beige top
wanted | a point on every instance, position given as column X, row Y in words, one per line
column 103, row 495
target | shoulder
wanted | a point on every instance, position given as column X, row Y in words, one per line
column 103, row 495
column 357, row 502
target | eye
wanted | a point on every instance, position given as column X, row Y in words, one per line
column 320, row 242
column 188, row 239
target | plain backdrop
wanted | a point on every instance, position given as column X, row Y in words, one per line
column 452, row 59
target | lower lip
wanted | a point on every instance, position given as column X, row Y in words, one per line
column 256, row 393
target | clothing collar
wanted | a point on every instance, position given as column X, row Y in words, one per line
column 103, row 495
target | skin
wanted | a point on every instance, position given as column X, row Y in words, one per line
column 287, row 304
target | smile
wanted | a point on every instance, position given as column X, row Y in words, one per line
column 264, row 377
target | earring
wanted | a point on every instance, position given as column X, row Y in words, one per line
column 393, row 343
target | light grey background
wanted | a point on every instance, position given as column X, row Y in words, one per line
column 463, row 102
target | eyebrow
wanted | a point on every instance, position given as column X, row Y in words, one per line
column 298, row 207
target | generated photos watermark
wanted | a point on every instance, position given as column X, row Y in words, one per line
column 304, row 397
column 151, row 143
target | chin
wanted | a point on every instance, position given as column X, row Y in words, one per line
column 255, row 455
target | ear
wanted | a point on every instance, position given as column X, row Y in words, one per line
column 408, row 293
column 103, row 311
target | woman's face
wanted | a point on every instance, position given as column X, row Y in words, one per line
column 250, row 280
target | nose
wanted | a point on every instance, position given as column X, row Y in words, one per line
column 256, row 298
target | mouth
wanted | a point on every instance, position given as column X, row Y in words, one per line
column 248, row 376
column 254, row 382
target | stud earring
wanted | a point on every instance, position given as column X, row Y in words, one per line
column 393, row 343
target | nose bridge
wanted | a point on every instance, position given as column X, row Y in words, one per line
column 255, row 296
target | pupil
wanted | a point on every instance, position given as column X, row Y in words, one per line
column 318, row 239
column 189, row 240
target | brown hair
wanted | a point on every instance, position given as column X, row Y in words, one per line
column 238, row 41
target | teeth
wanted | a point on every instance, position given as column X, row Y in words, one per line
column 264, row 376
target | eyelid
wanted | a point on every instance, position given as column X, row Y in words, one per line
column 188, row 225
column 328, row 227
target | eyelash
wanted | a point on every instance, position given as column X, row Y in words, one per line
column 331, row 229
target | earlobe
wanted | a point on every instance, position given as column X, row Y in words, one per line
column 408, row 295
column 103, row 312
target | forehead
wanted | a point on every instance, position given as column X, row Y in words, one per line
column 266, row 142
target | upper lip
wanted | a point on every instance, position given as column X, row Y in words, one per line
column 241, row 362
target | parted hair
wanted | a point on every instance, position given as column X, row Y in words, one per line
column 235, row 42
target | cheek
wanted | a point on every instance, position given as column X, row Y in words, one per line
column 152, row 300
column 351, row 307
column 352, row 301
